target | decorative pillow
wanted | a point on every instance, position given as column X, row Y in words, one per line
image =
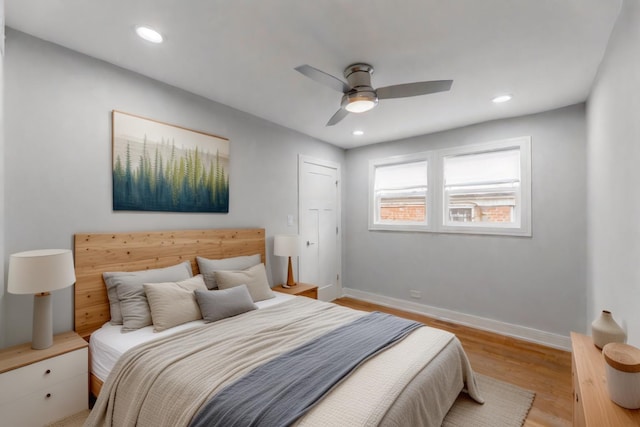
column 134, row 306
column 254, row 277
column 114, row 279
column 208, row 267
column 218, row 305
column 173, row 303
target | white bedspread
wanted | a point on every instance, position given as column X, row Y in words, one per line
column 166, row 387
column 108, row 343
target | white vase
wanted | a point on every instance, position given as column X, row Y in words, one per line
column 605, row 330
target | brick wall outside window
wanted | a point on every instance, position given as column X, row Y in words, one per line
column 496, row 213
column 402, row 213
column 412, row 212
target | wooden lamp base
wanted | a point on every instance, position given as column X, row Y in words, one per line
column 290, row 282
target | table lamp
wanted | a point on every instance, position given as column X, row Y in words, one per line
column 40, row 272
column 286, row 245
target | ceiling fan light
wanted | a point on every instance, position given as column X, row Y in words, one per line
column 359, row 101
column 360, row 105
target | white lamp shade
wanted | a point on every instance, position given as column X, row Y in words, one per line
column 44, row 270
column 285, row 245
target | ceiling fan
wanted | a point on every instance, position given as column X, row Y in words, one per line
column 358, row 94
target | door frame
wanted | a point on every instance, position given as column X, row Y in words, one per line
column 302, row 159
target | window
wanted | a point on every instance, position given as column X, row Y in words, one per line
column 481, row 189
column 400, row 193
column 486, row 188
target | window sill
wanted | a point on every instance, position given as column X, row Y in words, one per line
column 485, row 231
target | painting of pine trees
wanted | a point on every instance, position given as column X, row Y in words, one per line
column 160, row 167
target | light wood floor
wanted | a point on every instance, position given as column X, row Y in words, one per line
column 544, row 370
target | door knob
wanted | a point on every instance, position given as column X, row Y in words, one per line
column 310, row 243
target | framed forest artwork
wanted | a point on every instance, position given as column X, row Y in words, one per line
column 162, row 167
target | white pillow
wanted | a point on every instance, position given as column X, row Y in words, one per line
column 174, row 303
column 254, row 277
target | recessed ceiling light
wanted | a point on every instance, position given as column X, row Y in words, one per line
column 358, row 132
column 502, row 98
column 149, row 34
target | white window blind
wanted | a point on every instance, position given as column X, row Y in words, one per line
column 482, row 168
column 401, row 176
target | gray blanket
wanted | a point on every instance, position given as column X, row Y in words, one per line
column 283, row 389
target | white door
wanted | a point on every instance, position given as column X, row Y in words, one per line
column 319, row 196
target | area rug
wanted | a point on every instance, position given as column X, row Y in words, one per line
column 505, row 405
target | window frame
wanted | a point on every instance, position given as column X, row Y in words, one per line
column 522, row 208
column 436, row 214
column 429, row 199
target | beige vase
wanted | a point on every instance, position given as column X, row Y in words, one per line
column 605, row 330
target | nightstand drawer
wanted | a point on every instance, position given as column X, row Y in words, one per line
column 43, row 374
column 48, row 404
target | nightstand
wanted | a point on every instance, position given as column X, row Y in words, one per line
column 38, row 387
column 301, row 289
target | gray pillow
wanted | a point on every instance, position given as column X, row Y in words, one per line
column 254, row 278
column 114, row 279
column 218, row 305
column 208, row 267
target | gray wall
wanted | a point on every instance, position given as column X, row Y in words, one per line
column 58, row 160
column 2, row 321
column 56, row 181
column 538, row 281
column 614, row 174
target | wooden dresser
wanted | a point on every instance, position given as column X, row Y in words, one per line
column 591, row 404
column 38, row 387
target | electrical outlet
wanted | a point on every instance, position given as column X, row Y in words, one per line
column 415, row 294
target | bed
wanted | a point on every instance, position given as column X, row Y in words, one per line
column 170, row 377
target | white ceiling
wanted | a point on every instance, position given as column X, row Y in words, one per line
column 242, row 53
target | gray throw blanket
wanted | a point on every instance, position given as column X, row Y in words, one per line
column 283, row 389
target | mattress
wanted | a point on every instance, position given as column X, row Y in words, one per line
column 108, row 343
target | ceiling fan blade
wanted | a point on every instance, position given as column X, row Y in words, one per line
column 323, row 78
column 338, row 116
column 413, row 89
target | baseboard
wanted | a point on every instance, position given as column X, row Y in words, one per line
column 516, row 331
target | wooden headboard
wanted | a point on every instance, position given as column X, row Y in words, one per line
column 97, row 253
